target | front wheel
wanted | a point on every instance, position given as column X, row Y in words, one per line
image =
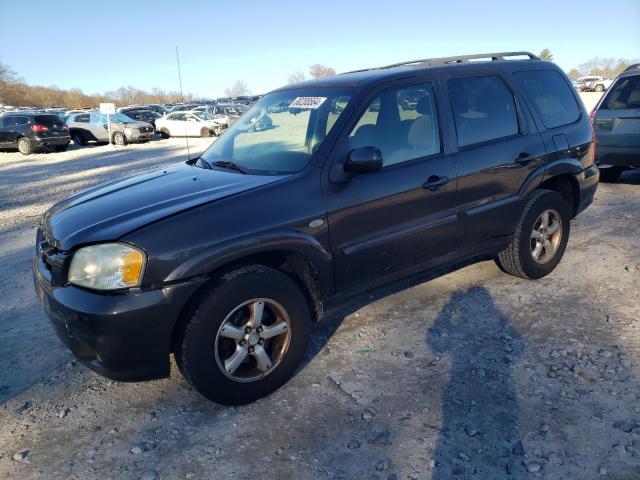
column 246, row 337
column 540, row 239
column 119, row 139
column 164, row 133
column 205, row 132
column 599, row 88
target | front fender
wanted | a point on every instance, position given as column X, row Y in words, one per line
column 212, row 259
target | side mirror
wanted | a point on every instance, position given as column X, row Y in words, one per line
column 363, row 160
column 104, row 125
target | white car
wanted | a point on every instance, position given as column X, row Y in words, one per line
column 188, row 124
column 602, row 85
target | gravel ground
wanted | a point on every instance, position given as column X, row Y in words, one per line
column 472, row 374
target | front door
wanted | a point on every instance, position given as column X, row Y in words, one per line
column 397, row 219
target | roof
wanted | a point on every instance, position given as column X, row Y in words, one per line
column 407, row 68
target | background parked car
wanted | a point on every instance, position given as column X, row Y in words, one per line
column 616, row 121
column 187, row 124
column 92, row 126
column 602, row 85
column 584, row 84
column 32, row 132
column 141, row 114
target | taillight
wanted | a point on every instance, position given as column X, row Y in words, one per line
column 39, row 128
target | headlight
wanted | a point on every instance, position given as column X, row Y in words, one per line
column 108, row 266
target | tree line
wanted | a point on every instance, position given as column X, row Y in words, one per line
column 15, row 91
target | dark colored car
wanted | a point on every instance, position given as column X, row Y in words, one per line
column 142, row 115
column 224, row 260
column 616, row 119
column 33, row 132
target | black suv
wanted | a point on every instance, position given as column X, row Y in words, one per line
column 32, row 132
column 367, row 178
column 616, row 120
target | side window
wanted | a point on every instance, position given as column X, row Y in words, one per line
column 624, row 94
column 21, row 121
column 84, row 118
column 551, row 95
column 483, row 109
column 402, row 123
column 94, row 117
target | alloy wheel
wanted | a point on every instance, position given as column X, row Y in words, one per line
column 546, row 236
column 252, row 340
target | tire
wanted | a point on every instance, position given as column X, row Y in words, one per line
column 610, row 174
column 518, row 258
column 79, row 139
column 61, row 148
column 230, row 300
column 164, row 133
column 205, row 133
column 119, row 138
column 599, row 88
column 25, row 146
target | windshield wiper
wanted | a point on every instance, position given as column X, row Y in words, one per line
column 230, row 165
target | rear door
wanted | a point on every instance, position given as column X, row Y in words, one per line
column 497, row 150
column 617, row 120
column 396, row 219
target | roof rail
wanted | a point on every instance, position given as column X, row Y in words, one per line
column 429, row 62
column 635, row 66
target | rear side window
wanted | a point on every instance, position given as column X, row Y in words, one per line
column 483, row 108
column 551, row 95
column 624, row 94
column 20, row 120
column 84, row 118
column 49, row 121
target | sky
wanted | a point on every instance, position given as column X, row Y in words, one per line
column 101, row 46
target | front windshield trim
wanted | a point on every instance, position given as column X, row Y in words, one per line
column 271, row 139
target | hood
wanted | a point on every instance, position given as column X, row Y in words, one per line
column 110, row 210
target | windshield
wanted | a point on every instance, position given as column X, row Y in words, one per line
column 281, row 132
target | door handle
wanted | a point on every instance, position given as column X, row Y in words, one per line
column 434, row 182
column 523, row 158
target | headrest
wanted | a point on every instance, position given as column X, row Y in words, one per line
column 424, row 105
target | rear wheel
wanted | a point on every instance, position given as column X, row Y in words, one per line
column 610, row 174
column 119, row 139
column 599, row 88
column 79, row 139
column 246, row 337
column 540, row 238
column 25, row 146
column 164, row 133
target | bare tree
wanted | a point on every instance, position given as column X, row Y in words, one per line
column 574, row 74
column 321, row 71
column 546, row 54
column 238, row 89
column 297, row 76
column 604, row 67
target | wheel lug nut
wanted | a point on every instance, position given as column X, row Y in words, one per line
column 242, row 342
column 251, row 349
column 247, row 329
column 259, row 329
column 261, row 341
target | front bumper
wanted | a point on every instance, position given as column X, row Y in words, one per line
column 124, row 336
column 587, row 184
column 137, row 136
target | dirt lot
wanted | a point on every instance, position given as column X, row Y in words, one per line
column 473, row 374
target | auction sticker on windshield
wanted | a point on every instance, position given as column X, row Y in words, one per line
column 307, row 102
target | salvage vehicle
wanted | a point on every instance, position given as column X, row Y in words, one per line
column 189, row 124
column 92, row 126
column 224, row 260
column 33, row 132
column 616, row 119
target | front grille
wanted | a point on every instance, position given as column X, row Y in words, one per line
column 55, row 260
